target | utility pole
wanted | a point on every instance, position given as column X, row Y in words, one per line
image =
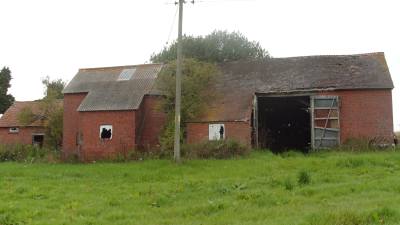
column 177, row 147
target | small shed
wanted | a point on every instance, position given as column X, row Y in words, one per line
column 13, row 132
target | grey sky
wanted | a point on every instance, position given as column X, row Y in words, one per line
column 57, row 37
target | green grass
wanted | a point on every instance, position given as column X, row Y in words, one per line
column 325, row 188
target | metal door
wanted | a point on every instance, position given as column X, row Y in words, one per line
column 325, row 132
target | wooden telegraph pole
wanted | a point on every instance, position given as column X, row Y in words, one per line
column 177, row 147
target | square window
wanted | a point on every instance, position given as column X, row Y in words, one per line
column 216, row 131
column 14, row 130
column 106, row 132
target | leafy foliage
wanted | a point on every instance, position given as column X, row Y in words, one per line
column 26, row 116
column 197, row 77
column 6, row 100
column 50, row 112
column 53, row 88
column 219, row 46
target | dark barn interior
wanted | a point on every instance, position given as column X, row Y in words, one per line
column 284, row 123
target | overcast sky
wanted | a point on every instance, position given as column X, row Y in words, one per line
column 55, row 38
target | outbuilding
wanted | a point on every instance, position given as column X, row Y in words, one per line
column 308, row 102
column 110, row 111
column 12, row 131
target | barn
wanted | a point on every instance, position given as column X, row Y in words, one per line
column 13, row 132
column 307, row 102
column 109, row 111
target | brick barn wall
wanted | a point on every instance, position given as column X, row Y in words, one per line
column 71, row 122
column 24, row 136
column 131, row 129
column 239, row 131
column 365, row 114
column 123, row 133
column 153, row 122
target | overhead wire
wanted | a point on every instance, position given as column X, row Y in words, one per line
column 172, row 25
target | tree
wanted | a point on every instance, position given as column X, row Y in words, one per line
column 217, row 47
column 53, row 88
column 50, row 112
column 196, row 95
column 6, row 100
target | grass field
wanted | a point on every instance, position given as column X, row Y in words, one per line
column 325, row 188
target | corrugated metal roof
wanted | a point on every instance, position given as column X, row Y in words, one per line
column 239, row 81
column 107, row 92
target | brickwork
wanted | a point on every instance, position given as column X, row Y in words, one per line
column 131, row 128
column 24, row 136
column 240, row 131
column 123, row 133
column 71, row 122
column 365, row 114
column 153, row 122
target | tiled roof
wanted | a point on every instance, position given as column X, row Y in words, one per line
column 10, row 117
column 240, row 80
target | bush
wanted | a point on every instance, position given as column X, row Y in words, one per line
column 20, row 152
column 304, row 177
column 221, row 149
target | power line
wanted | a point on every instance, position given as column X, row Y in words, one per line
column 172, row 26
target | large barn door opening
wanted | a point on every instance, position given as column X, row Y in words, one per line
column 325, row 121
column 283, row 123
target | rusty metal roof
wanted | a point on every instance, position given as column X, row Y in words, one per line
column 240, row 80
column 107, row 92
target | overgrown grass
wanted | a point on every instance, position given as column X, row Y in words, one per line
column 337, row 188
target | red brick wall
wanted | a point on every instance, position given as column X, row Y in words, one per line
column 240, row 131
column 125, row 128
column 365, row 114
column 71, row 122
column 24, row 136
column 123, row 133
column 153, row 122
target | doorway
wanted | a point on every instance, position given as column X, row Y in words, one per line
column 37, row 139
column 284, row 123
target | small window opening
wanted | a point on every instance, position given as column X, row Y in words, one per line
column 216, row 132
column 37, row 139
column 106, row 132
column 14, row 130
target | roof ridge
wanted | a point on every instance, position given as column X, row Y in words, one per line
column 332, row 55
column 118, row 67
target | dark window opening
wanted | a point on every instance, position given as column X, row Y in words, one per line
column 284, row 123
column 13, row 130
column 105, row 131
column 37, row 140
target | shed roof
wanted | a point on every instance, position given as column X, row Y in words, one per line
column 107, row 91
column 10, row 117
column 240, row 80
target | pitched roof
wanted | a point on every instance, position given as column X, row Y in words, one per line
column 114, row 88
column 10, row 117
column 240, row 80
